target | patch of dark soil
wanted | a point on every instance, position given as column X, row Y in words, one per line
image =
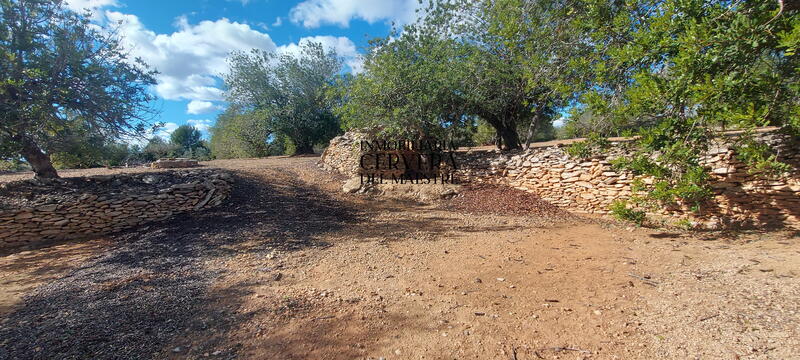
column 499, row 199
column 140, row 299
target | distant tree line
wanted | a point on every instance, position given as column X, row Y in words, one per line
column 84, row 150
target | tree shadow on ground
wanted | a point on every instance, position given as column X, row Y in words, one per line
column 133, row 301
column 154, row 295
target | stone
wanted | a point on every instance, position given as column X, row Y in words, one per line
column 150, row 179
column 23, row 216
column 568, row 175
column 352, row 185
column 172, row 163
column 47, row 208
column 80, row 214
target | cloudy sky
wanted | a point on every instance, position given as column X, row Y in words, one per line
column 187, row 41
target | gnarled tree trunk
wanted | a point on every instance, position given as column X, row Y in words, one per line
column 507, row 137
column 39, row 161
column 508, row 133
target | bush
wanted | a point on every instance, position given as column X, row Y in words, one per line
column 761, row 159
column 484, row 134
column 13, row 165
column 593, row 145
column 621, row 211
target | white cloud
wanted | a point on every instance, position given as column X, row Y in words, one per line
column 190, row 58
column 343, row 46
column 165, row 131
column 197, row 107
column 202, row 125
column 314, row 13
column 278, row 22
column 93, row 6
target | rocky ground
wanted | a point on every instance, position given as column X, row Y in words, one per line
column 292, row 268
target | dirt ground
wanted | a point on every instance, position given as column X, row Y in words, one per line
column 292, row 268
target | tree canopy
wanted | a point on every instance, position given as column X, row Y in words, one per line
column 238, row 133
column 187, row 137
column 681, row 71
column 459, row 62
column 56, row 69
column 288, row 92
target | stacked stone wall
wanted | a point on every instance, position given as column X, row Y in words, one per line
column 37, row 211
column 591, row 185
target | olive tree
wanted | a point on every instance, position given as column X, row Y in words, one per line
column 57, row 68
column 289, row 91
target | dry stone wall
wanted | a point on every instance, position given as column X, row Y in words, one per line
column 592, row 185
column 36, row 211
column 740, row 199
column 343, row 153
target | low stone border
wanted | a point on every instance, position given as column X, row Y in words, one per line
column 64, row 209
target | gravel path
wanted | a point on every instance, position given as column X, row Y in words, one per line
column 140, row 297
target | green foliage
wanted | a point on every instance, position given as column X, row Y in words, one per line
column 689, row 185
column 158, row 148
column 55, row 67
column 13, row 165
column 640, row 164
column 410, row 87
column 684, row 224
column 441, row 72
column 485, row 134
column 243, row 134
column 80, row 147
column 200, row 152
column 682, row 70
column 761, row 159
column 84, row 155
column 187, row 137
column 289, row 93
column 288, row 145
column 621, row 211
column 593, row 145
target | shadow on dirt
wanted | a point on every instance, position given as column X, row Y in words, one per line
column 138, row 298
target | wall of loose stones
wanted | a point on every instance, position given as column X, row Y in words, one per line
column 109, row 209
column 592, row 185
column 343, row 154
column 740, row 199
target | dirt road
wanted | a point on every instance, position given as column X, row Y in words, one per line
column 291, row 268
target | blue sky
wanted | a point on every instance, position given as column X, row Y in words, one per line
column 187, row 41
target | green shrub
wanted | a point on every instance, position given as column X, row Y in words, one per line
column 593, row 145
column 484, row 134
column 621, row 211
column 13, row 165
column 760, row 159
column 684, row 224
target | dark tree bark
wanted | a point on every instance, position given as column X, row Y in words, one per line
column 533, row 127
column 509, row 136
column 39, row 161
